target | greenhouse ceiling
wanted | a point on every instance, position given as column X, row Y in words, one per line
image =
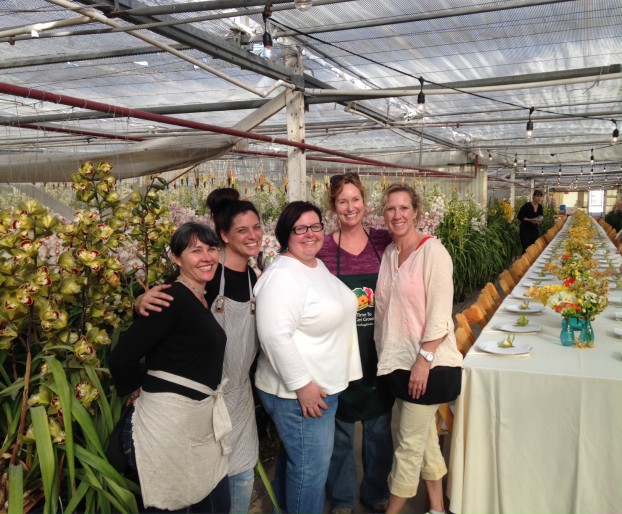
column 150, row 84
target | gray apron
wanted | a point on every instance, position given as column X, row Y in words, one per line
column 238, row 321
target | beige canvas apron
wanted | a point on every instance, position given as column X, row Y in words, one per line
column 238, row 321
column 181, row 444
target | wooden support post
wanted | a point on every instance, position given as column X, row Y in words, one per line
column 296, row 161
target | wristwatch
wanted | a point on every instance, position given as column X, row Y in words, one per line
column 429, row 356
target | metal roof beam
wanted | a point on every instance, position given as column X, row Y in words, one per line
column 277, row 5
column 435, row 15
column 223, row 49
column 167, row 23
column 25, row 62
column 201, row 40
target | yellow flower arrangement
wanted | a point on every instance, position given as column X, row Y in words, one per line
column 583, row 292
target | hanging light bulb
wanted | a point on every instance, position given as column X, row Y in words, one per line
column 421, row 99
column 525, row 165
column 616, row 133
column 592, row 157
column 267, row 37
column 542, row 171
column 303, row 5
column 515, row 159
column 581, row 170
column 489, row 156
column 530, row 124
column 559, row 173
column 267, row 44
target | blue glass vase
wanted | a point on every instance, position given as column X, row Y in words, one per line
column 587, row 332
column 567, row 334
column 576, row 323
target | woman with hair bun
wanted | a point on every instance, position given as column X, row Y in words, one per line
column 231, row 300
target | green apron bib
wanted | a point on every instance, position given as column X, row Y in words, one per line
column 368, row 397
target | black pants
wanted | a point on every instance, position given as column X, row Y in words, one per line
column 527, row 239
column 216, row 502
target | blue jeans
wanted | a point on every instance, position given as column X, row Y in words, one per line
column 377, row 457
column 306, row 448
column 241, row 488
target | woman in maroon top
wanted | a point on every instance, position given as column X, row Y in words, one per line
column 353, row 253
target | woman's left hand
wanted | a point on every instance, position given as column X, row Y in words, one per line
column 132, row 397
column 418, row 382
column 311, row 399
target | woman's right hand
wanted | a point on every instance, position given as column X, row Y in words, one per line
column 153, row 300
column 311, row 400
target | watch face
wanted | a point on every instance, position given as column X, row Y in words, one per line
column 429, row 356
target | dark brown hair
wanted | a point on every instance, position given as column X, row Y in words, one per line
column 288, row 219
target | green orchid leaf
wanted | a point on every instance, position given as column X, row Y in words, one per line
column 45, row 453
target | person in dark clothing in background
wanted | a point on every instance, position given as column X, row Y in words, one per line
column 530, row 216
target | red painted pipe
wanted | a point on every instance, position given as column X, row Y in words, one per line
column 280, row 155
column 78, row 132
column 159, row 118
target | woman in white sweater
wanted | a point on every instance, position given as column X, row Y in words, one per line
column 306, row 322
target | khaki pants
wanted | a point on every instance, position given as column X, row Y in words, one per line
column 418, row 452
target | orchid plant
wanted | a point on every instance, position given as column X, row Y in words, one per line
column 67, row 293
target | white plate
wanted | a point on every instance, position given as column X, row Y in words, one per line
column 537, row 276
column 616, row 300
column 513, row 327
column 618, row 331
column 537, row 283
column 517, row 349
column 618, row 315
column 532, row 309
column 521, row 296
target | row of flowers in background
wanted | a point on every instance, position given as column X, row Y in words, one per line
column 470, row 232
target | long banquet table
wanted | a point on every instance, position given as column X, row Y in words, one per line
column 540, row 433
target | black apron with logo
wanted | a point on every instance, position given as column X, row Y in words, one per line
column 368, row 397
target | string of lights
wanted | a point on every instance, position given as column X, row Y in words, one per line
column 421, row 95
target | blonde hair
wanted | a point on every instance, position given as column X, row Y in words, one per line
column 415, row 199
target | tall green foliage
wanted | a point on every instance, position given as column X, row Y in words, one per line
column 481, row 243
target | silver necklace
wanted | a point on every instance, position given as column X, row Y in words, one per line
column 196, row 290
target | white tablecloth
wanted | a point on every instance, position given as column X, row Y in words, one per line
column 542, row 433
